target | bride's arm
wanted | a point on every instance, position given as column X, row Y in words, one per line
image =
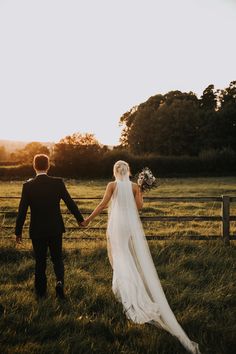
column 106, row 198
column 138, row 196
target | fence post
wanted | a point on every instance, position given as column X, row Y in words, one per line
column 225, row 212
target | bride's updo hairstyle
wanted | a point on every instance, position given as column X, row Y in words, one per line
column 121, row 170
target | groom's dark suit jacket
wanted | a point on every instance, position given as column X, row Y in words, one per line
column 43, row 194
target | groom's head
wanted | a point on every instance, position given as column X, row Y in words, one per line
column 41, row 163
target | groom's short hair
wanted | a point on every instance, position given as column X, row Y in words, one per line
column 41, row 162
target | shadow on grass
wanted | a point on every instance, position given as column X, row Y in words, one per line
column 13, row 255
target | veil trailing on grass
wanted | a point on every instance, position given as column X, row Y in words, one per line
column 135, row 281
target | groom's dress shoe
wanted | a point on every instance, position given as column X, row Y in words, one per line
column 60, row 291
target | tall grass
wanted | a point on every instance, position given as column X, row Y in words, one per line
column 198, row 279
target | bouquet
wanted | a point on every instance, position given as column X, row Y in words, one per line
column 145, row 180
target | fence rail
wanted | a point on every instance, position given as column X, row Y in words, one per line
column 225, row 218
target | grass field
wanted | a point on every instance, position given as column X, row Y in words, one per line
column 168, row 187
column 198, row 279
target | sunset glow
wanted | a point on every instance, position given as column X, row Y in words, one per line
column 69, row 66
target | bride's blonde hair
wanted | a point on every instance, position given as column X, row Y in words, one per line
column 121, row 169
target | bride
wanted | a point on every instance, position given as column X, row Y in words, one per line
column 135, row 281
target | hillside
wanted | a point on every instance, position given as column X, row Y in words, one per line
column 11, row 145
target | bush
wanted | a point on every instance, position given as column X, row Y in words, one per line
column 16, row 172
column 208, row 163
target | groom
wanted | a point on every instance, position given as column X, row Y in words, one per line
column 43, row 194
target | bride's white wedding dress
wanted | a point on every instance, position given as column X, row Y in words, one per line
column 135, row 281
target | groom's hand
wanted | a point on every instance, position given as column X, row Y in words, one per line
column 81, row 224
column 18, row 238
column 84, row 223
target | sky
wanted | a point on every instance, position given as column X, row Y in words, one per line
column 78, row 65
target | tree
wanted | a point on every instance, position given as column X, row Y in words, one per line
column 227, row 117
column 208, row 99
column 79, row 139
column 27, row 154
column 136, row 124
column 228, row 95
column 178, row 128
column 3, row 153
column 78, row 154
column 178, row 123
column 164, row 124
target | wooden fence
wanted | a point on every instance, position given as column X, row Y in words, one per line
column 225, row 218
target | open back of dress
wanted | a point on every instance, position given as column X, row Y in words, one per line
column 135, row 281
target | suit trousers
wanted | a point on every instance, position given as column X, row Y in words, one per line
column 40, row 247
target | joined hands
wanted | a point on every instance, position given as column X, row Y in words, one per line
column 85, row 223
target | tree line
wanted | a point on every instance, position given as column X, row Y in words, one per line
column 174, row 134
column 180, row 123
